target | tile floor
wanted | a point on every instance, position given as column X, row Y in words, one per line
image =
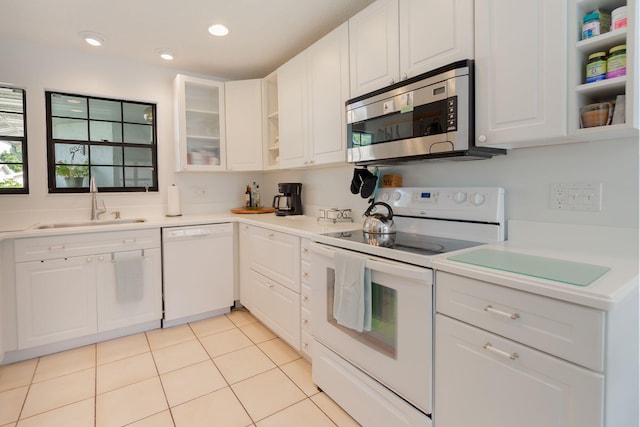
column 224, row 371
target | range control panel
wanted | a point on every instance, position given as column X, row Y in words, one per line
column 483, row 204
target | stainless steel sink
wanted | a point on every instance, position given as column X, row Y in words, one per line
column 90, row 223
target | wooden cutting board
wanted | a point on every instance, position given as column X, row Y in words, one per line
column 253, row 210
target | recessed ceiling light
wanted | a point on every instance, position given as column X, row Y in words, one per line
column 165, row 54
column 218, row 30
column 94, row 39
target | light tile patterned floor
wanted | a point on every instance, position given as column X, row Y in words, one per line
column 224, row 371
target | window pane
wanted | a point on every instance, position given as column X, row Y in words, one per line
column 11, row 100
column 107, row 176
column 10, row 151
column 72, row 176
column 138, row 134
column 139, row 177
column 68, row 106
column 137, row 113
column 72, row 154
column 105, row 131
column 138, row 156
column 101, row 109
column 11, row 124
column 70, row 129
column 106, row 155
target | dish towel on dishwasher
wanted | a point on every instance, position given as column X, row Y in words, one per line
column 129, row 269
column 352, row 292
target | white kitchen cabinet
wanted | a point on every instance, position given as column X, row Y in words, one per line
column 485, row 380
column 434, row 33
column 521, row 73
column 582, row 93
column 66, row 286
column 507, row 357
column 271, row 122
column 312, row 91
column 122, row 306
column 56, row 300
column 243, row 113
column 199, row 124
column 271, row 284
column 292, row 111
column 277, row 256
column 277, row 306
column 374, row 43
column 392, row 40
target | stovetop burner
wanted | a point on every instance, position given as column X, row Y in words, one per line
column 407, row 242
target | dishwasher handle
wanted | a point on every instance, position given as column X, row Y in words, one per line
column 199, row 231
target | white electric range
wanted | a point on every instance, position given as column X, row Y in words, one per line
column 382, row 373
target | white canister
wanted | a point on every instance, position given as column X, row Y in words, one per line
column 619, row 17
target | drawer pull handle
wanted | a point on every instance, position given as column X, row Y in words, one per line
column 305, row 298
column 305, row 322
column 512, row 316
column 512, row 356
column 270, row 285
column 305, row 251
column 128, row 241
column 305, row 275
column 56, row 248
column 269, row 234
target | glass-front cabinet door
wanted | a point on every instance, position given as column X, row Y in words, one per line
column 199, row 124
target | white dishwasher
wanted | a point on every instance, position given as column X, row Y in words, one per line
column 198, row 272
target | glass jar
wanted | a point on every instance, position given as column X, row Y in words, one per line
column 596, row 67
column 617, row 61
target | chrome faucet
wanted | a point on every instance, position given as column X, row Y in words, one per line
column 95, row 210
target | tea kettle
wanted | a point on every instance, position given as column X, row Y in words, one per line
column 377, row 223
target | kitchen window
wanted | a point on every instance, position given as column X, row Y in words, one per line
column 111, row 140
column 13, row 141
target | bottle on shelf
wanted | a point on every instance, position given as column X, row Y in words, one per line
column 256, row 196
column 247, row 197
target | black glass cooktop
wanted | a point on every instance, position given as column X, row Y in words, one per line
column 408, row 242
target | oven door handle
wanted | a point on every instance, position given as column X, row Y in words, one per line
column 381, row 265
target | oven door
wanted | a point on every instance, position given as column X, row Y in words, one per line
column 397, row 351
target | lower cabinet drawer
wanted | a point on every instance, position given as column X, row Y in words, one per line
column 277, row 307
column 570, row 331
column 482, row 379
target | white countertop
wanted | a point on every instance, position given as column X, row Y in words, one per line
column 605, row 246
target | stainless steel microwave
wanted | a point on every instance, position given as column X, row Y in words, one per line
column 430, row 116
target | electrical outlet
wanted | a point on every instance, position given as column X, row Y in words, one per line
column 578, row 196
column 198, row 192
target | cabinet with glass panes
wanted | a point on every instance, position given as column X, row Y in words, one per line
column 199, row 123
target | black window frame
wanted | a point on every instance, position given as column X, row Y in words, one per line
column 51, row 145
column 25, row 158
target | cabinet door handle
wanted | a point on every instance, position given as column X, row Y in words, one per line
column 482, row 138
column 512, row 356
column 305, row 298
column 269, row 234
column 270, row 285
column 305, row 275
column 88, row 259
column 305, row 251
column 512, row 316
column 305, row 322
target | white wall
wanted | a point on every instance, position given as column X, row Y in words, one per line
column 37, row 69
column 525, row 173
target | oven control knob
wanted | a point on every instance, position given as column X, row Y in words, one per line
column 477, row 199
column 459, row 196
column 395, row 196
column 385, row 197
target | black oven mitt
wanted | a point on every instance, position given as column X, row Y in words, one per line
column 369, row 185
column 358, row 179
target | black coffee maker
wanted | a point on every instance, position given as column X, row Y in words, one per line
column 289, row 202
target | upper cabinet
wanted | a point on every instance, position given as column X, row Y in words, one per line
column 271, row 125
column 619, row 89
column 199, row 124
column 392, row 40
column 312, row 89
column 243, row 111
column 521, row 72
